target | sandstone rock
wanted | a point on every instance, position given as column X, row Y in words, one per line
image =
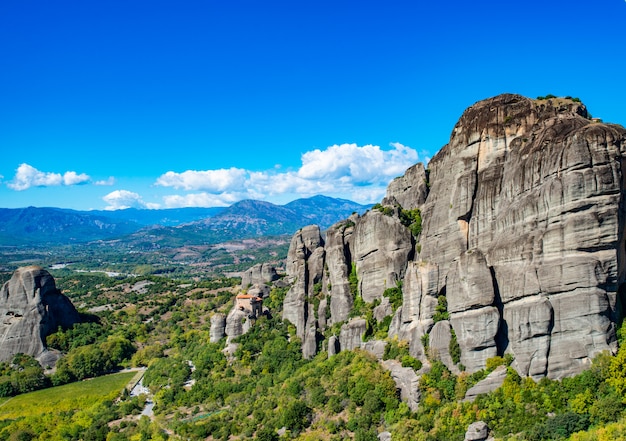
column 333, row 344
column 478, row 431
column 237, row 323
column 31, row 308
column 410, row 190
column 375, row 347
column 476, row 332
column 439, row 344
column 339, row 267
column 261, row 273
column 523, row 232
column 383, row 310
column 351, row 334
column 490, row 383
column 302, row 247
column 259, row 290
column 469, row 284
column 305, row 267
column 384, row 436
column 536, row 188
column 218, row 327
column 382, row 246
column 406, row 381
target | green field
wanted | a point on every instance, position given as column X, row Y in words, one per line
column 64, row 398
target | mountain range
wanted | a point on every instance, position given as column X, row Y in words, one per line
column 169, row 227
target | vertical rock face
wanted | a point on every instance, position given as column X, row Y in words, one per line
column 533, row 190
column 261, row 273
column 382, row 246
column 338, row 262
column 411, row 189
column 218, row 327
column 31, row 308
column 305, row 265
column 523, row 215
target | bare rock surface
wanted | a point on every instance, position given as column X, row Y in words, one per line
column 237, row 323
column 382, row 246
column 523, row 233
column 351, row 334
column 406, row 381
column 478, row 431
column 31, row 307
column 410, row 190
column 261, row 273
column 490, row 383
column 218, row 327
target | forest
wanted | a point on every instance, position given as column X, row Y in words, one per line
column 265, row 390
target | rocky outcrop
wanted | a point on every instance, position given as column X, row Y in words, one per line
column 382, row 247
column 478, row 431
column 305, row 265
column 406, row 381
column 218, row 327
column 351, row 334
column 410, row 190
column 338, row 262
column 536, row 189
column 237, row 323
column 490, row 383
column 261, row 273
column 31, row 308
column 522, row 216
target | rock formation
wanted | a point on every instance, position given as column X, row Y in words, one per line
column 218, row 327
column 522, row 235
column 31, row 308
column 261, row 273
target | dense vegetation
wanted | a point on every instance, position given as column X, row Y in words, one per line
column 262, row 388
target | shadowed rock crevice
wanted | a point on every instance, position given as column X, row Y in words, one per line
column 502, row 336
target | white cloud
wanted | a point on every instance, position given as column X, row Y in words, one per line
column 73, row 178
column 201, row 200
column 359, row 173
column 108, row 182
column 367, row 164
column 27, row 176
column 210, row 180
column 122, row 199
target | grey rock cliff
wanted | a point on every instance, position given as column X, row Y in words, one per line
column 31, row 307
column 523, row 215
column 261, row 273
column 305, row 265
column 382, row 246
column 218, row 327
column 536, row 188
column 410, row 190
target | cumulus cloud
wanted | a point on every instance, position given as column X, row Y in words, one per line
column 27, row 176
column 366, row 164
column 360, row 173
column 210, row 180
column 201, row 200
column 73, row 178
column 107, row 182
column 122, row 199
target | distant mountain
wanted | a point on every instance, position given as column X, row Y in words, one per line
column 33, row 226
column 170, row 227
column 252, row 218
column 166, row 217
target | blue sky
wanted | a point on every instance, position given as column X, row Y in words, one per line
column 162, row 104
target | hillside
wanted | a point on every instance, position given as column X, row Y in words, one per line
column 168, row 227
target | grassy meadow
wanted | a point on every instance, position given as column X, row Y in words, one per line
column 65, row 398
